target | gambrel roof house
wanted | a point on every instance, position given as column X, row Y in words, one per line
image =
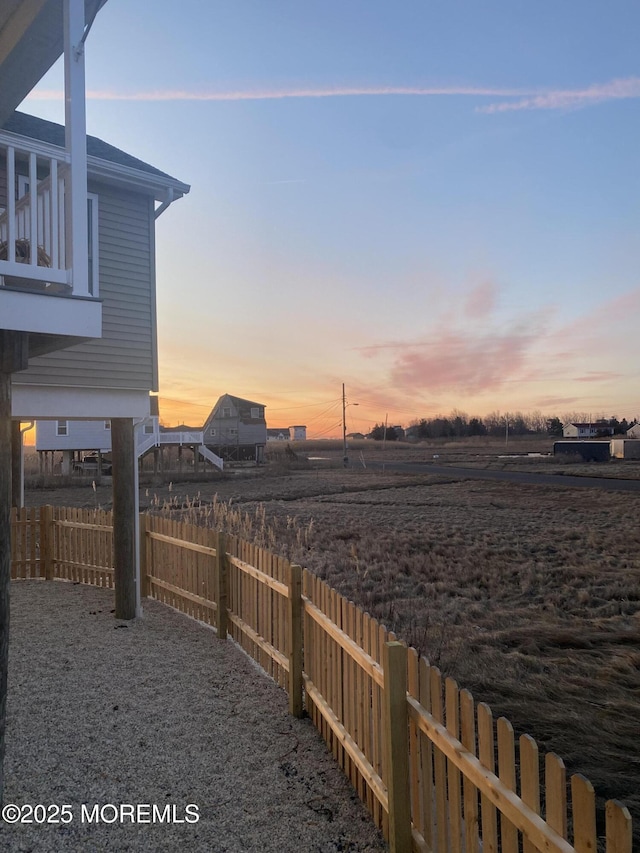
column 236, row 429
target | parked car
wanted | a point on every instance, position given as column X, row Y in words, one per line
column 89, row 465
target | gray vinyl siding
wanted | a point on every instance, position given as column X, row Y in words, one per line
column 252, row 433
column 125, row 356
column 81, row 435
column 247, row 433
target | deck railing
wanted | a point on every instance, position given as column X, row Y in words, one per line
column 34, row 240
column 435, row 771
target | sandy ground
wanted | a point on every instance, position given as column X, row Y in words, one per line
column 158, row 712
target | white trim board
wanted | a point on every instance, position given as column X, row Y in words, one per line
column 30, row 402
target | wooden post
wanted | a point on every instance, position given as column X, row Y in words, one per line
column 46, row 543
column 16, row 465
column 221, row 586
column 295, row 641
column 124, row 522
column 144, row 569
column 394, row 659
column 14, row 356
column 5, row 553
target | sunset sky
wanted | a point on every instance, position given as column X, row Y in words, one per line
column 437, row 204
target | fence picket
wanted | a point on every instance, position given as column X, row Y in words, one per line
column 440, row 766
column 555, row 786
column 426, row 758
column 452, row 708
column 583, row 804
column 486, row 755
column 469, row 791
column 530, row 780
column 507, row 775
column 618, row 838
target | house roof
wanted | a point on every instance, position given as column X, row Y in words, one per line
column 181, row 428
column 32, row 39
column 49, row 132
column 593, row 424
column 237, row 402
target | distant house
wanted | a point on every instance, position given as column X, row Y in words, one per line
column 583, row 430
column 292, row 433
column 356, row 436
column 74, row 438
column 236, row 429
column 633, row 432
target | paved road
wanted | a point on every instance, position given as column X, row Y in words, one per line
column 604, row 483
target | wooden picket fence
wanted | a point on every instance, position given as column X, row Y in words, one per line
column 436, row 772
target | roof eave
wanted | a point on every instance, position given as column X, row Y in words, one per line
column 107, row 170
column 136, row 178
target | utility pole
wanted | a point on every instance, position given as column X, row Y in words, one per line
column 345, row 455
column 345, row 458
column 384, row 438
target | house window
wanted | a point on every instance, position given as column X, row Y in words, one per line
column 107, row 424
column 233, row 431
column 148, row 429
column 226, row 412
column 212, row 431
column 256, row 412
column 62, row 428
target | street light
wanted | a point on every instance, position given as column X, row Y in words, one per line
column 345, row 457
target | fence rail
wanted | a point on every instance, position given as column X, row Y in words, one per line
column 436, row 772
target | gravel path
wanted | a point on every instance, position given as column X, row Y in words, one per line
column 158, row 711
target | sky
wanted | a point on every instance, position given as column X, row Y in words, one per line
column 436, row 204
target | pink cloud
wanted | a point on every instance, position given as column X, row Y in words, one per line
column 597, row 376
column 291, row 92
column 598, row 325
column 527, row 99
column 554, row 402
column 481, row 300
column 465, row 363
column 564, row 99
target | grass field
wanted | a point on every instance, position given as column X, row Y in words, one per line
column 528, row 595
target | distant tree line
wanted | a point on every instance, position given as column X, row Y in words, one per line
column 460, row 425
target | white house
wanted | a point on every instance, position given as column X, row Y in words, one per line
column 292, row 433
column 70, row 437
column 584, row 430
column 633, row 432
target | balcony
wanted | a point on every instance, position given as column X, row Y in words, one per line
column 36, row 245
